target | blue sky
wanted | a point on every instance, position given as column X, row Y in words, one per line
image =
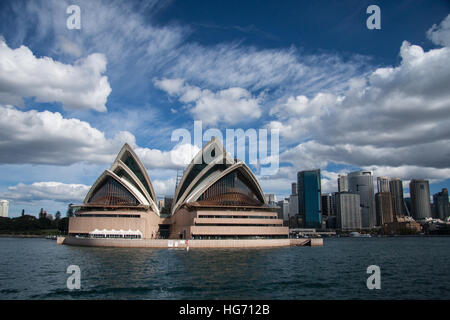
column 343, row 96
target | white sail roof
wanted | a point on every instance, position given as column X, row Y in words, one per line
column 201, row 174
column 130, row 173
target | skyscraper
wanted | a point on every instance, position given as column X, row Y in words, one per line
column 294, row 188
column 383, row 184
column 284, row 211
column 383, row 204
column 4, row 208
column 396, row 189
column 420, row 198
column 440, row 201
column 309, row 202
column 326, row 204
column 342, row 183
column 271, row 198
column 293, row 207
column 348, row 211
column 361, row 182
column 333, row 203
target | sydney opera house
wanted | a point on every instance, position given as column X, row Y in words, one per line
column 218, row 197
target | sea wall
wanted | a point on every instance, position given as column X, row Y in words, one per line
column 169, row 243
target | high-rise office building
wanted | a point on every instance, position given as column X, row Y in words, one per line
column 440, row 201
column 168, row 202
column 271, row 199
column 396, row 190
column 4, row 208
column 383, row 184
column 383, row 204
column 420, row 198
column 160, row 204
column 294, row 190
column 333, row 203
column 309, row 202
column 326, row 204
column 348, row 211
column 342, row 183
column 361, row 182
column 283, row 211
column 293, row 209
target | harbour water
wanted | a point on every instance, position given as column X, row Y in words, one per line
column 411, row 268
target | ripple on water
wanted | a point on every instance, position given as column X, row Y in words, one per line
column 411, row 268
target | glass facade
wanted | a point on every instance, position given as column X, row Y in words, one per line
column 309, row 201
column 111, row 193
column 231, row 190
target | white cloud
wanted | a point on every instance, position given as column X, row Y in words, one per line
column 279, row 186
column 329, row 181
column 177, row 158
column 49, row 138
column 171, row 86
column 228, row 106
column 77, row 86
column 302, row 106
column 399, row 106
column 69, row 47
column 164, row 187
column 233, row 65
column 440, row 34
column 138, row 48
column 406, row 173
column 51, row 190
column 396, row 118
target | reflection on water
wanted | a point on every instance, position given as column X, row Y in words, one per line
column 411, row 268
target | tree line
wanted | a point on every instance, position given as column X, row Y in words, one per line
column 28, row 224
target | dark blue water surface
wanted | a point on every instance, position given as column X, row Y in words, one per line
column 411, row 268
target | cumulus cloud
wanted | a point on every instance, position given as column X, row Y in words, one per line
column 164, row 187
column 228, row 106
column 177, row 158
column 49, row 138
column 440, row 34
column 406, row 173
column 77, row 86
column 50, row 190
column 155, row 50
column 396, row 118
column 397, row 106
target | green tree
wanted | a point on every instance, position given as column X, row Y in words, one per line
column 69, row 212
column 63, row 225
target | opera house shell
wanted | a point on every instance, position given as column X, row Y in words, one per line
column 218, row 197
column 120, row 204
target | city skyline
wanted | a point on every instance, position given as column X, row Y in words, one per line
column 278, row 198
column 149, row 68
